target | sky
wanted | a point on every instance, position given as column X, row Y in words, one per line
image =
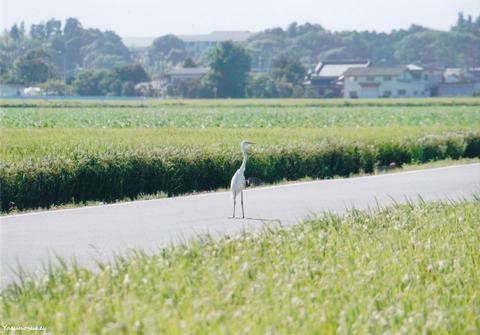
column 153, row 18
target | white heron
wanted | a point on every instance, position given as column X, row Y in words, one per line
column 239, row 183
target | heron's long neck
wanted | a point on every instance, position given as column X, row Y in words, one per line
column 244, row 163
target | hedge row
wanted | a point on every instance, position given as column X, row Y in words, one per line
column 112, row 176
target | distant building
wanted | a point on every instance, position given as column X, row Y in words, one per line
column 185, row 74
column 382, row 82
column 197, row 45
column 433, row 77
column 326, row 79
column 138, row 42
column 174, row 77
column 454, row 75
column 459, row 89
column 32, row 91
column 460, row 82
column 152, row 88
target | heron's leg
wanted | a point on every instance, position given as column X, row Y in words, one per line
column 241, row 198
column 234, row 204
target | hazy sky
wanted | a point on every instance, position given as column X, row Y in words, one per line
column 153, row 18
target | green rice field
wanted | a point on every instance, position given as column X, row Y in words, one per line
column 231, row 116
column 52, row 153
column 402, row 269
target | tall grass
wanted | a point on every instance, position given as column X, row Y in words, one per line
column 77, row 173
column 25, row 143
column 406, row 269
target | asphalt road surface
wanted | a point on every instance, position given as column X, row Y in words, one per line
column 95, row 233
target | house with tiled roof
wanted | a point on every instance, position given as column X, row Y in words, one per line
column 326, row 79
column 382, row 82
column 184, row 74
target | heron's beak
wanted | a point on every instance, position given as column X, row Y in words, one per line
column 252, row 143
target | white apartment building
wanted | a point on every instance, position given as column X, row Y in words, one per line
column 197, row 45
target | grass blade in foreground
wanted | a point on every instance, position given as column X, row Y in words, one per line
column 408, row 269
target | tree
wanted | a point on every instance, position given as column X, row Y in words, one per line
column 128, row 89
column 230, row 65
column 282, row 81
column 165, row 48
column 87, row 83
column 425, row 47
column 115, row 88
column 130, row 72
column 118, row 81
column 288, row 70
column 176, row 56
column 53, row 27
column 189, row 63
column 262, row 86
column 34, row 67
column 37, row 31
column 15, row 33
column 72, row 27
column 71, row 50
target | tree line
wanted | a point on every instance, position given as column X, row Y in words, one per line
column 311, row 43
column 64, row 58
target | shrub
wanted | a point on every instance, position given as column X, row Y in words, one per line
column 436, row 147
column 391, row 152
column 472, row 148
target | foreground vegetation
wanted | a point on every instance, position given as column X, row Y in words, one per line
column 405, row 269
column 56, row 156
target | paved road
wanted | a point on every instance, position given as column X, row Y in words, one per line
column 89, row 233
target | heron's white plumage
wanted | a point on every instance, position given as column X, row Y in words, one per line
column 238, row 183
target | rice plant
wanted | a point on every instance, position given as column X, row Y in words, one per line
column 107, row 172
column 239, row 117
column 405, row 269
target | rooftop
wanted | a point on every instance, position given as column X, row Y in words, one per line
column 218, row 36
column 374, row 71
column 189, row 71
column 336, row 69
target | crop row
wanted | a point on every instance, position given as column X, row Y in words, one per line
column 109, row 176
column 240, row 117
column 27, row 143
column 102, row 102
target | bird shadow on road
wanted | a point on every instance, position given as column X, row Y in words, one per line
column 255, row 219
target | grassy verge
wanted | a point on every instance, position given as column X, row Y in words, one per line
column 406, row 269
column 102, row 102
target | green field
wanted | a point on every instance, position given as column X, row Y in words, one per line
column 406, row 269
column 55, row 155
column 232, row 116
